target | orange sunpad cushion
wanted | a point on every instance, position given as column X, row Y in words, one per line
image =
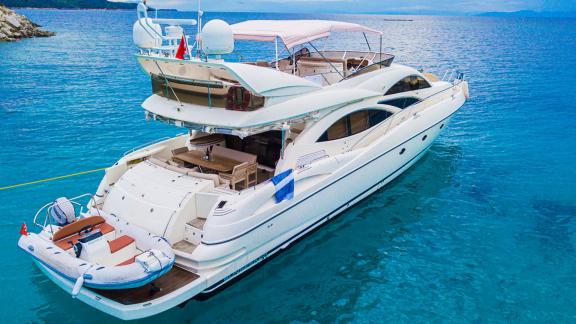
column 120, row 243
column 67, row 242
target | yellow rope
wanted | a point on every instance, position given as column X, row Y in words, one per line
column 50, row 179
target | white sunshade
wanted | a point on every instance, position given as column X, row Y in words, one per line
column 293, row 32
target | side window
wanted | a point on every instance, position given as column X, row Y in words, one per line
column 338, row 130
column 409, row 83
column 400, row 102
column 378, row 116
column 354, row 123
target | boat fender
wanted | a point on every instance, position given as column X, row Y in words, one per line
column 150, row 261
column 77, row 286
column 466, row 91
column 80, row 282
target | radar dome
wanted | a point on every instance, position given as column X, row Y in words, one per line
column 146, row 34
column 217, row 38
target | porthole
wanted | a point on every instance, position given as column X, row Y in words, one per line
column 441, row 126
column 424, row 137
column 402, row 151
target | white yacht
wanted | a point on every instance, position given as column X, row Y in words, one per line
column 272, row 149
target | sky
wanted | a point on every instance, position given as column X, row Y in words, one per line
column 372, row 6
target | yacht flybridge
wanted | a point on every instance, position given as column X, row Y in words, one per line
column 274, row 147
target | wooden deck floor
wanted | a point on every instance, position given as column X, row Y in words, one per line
column 184, row 246
column 176, row 278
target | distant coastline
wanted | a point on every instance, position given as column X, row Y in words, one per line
column 90, row 9
column 71, row 9
column 105, row 5
column 530, row 14
column 67, row 4
column 14, row 26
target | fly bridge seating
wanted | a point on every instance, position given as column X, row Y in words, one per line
column 331, row 69
column 332, row 65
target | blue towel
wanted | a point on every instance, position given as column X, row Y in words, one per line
column 284, row 183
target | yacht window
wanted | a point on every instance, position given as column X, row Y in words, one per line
column 378, row 116
column 358, row 122
column 400, row 102
column 338, row 130
column 409, row 83
column 354, row 123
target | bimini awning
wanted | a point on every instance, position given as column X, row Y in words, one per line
column 293, row 32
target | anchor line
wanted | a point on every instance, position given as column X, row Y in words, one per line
column 51, row 179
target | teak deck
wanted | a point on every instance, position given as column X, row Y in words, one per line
column 176, row 278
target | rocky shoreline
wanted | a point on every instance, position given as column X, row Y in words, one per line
column 14, row 26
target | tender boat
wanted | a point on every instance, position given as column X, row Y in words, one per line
column 275, row 147
column 96, row 251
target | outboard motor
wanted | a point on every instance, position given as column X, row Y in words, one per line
column 62, row 211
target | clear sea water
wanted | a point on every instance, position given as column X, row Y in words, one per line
column 482, row 229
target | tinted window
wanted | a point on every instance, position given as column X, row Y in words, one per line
column 409, row 83
column 338, row 130
column 354, row 123
column 400, row 102
column 378, row 116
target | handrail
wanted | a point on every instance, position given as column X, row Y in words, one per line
column 46, row 208
column 174, row 22
column 141, row 146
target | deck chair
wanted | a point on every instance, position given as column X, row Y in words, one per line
column 239, row 175
column 252, row 174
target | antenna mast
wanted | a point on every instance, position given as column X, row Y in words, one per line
column 199, row 33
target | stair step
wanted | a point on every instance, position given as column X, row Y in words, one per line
column 198, row 223
column 184, row 246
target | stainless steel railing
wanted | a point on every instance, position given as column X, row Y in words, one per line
column 75, row 201
column 141, row 146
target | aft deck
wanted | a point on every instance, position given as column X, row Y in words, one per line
column 175, row 279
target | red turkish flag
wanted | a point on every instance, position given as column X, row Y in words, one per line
column 181, row 49
column 24, row 230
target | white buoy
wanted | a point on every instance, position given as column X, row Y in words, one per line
column 77, row 286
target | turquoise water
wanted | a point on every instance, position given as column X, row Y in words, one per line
column 482, row 229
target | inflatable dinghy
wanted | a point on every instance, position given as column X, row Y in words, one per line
column 100, row 251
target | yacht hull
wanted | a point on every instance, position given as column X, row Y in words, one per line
column 324, row 205
column 226, row 258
